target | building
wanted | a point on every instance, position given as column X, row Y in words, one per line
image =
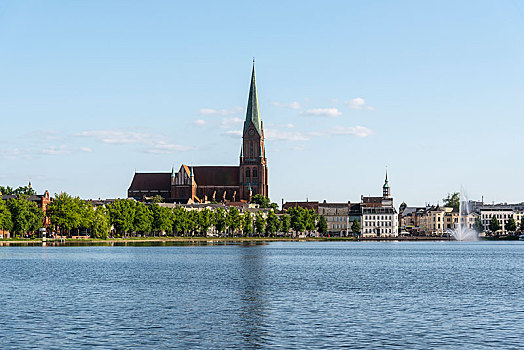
column 379, row 222
column 337, row 218
column 502, row 212
column 379, row 217
column 200, row 184
column 41, row 200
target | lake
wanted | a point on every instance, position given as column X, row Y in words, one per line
column 415, row 295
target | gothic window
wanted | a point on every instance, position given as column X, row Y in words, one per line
column 251, row 149
column 254, row 172
column 248, row 173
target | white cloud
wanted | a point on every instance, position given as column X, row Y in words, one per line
column 200, row 122
column 279, row 135
column 117, row 136
column 212, row 111
column 360, row 131
column 358, row 103
column 227, row 123
column 162, row 147
column 86, row 149
column 56, row 150
column 152, row 142
column 15, row 153
column 326, row 112
column 233, row 133
column 292, row 105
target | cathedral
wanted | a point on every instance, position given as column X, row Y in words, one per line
column 200, row 184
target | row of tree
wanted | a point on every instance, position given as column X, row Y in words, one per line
column 494, row 225
column 70, row 216
column 19, row 216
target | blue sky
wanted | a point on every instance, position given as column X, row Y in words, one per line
column 92, row 90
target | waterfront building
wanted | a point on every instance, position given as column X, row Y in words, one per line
column 337, row 218
column 379, row 222
column 502, row 212
column 200, row 184
column 379, row 217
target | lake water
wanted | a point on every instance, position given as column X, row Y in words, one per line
column 282, row 294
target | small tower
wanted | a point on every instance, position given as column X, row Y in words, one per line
column 386, row 190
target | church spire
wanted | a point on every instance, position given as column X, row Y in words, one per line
column 252, row 114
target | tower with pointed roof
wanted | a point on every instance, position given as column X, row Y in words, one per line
column 386, row 190
column 253, row 162
column 199, row 184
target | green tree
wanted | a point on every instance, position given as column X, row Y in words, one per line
column 205, row 220
column 261, row 200
column 7, row 191
column 298, row 219
column 24, row 190
column 233, row 219
column 478, row 226
column 247, row 224
column 179, row 220
column 310, row 219
column 25, row 215
column 272, row 223
column 322, row 225
column 452, row 200
column 192, row 221
column 162, row 222
column 68, row 213
column 285, row 223
column 220, row 220
column 494, row 224
column 260, row 223
column 157, row 199
column 6, row 223
column 355, row 227
column 64, row 213
column 100, row 225
column 122, row 214
column 511, row 225
column 143, row 219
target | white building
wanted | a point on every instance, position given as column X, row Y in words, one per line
column 502, row 213
column 379, row 222
column 379, row 217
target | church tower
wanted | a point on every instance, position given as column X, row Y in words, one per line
column 386, row 190
column 253, row 162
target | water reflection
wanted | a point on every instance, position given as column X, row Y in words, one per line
column 128, row 243
column 253, row 279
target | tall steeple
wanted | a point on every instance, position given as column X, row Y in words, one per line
column 252, row 113
column 253, row 163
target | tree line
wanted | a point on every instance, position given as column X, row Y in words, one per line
column 72, row 216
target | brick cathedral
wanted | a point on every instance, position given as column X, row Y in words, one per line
column 199, row 184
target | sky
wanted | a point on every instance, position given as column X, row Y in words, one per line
column 92, row 91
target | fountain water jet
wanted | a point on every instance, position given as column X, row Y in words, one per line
column 462, row 232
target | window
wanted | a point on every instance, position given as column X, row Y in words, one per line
column 254, row 172
column 248, row 173
column 251, row 149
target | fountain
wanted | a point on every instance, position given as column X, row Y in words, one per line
column 462, row 232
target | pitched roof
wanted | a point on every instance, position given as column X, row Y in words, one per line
column 252, row 114
column 151, row 181
column 216, row 175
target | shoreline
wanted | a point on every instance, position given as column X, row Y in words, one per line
column 225, row 239
column 139, row 240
